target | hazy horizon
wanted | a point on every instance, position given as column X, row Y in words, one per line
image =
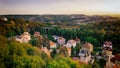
column 88, row 7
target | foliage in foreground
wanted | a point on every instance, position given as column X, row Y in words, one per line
column 22, row 55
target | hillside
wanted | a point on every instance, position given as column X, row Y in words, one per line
column 69, row 19
column 16, row 51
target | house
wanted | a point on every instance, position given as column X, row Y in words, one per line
column 5, row 19
column 66, row 51
column 71, row 43
column 24, row 38
column 69, row 51
column 38, row 37
column 77, row 40
column 52, row 45
column 36, row 34
column 107, row 48
column 45, row 50
column 88, row 46
column 85, row 55
column 61, row 40
column 92, row 60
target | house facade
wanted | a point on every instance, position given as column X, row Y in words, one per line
column 45, row 50
column 61, row 40
column 88, row 46
column 107, row 48
column 52, row 44
column 85, row 55
column 24, row 38
column 77, row 40
column 36, row 34
column 71, row 43
column 64, row 50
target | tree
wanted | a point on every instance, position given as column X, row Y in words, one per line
column 73, row 51
column 53, row 53
column 102, row 62
column 96, row 65
column 33, row 41
column 3, row 51
column 92, row 40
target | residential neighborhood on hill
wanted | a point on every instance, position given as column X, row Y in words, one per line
column 65, row 48
column 92, row 45
column 59, row 33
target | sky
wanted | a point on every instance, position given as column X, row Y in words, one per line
column 59, row 6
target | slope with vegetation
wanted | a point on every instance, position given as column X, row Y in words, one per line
column 20, row 55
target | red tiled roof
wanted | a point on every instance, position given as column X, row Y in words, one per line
column 37, row 32
column 77, row 39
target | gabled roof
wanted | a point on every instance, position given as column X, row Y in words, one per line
column 77, row 39
column 107, row 43
column 61, row 38
column 37, row 32
column 87, row 45
column 25, row 33
column 71, row 41
column 52, row 43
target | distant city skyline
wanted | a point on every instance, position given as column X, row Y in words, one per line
column 60, row 7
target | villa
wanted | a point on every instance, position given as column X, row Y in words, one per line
column 85, row 55
column 64, row 50
column 107, row 48
column 61, row 40
column 77, row 40
column 4, row 19
column 71, row 43
column 24, row 38
column 52, row 44
column 85, row 52
column 88, row 46
column 36, row 34
column 45, row 50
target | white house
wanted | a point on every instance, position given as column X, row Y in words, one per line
column 71, row 43
column 5, row 19
column 24, row 38
column 61, row 40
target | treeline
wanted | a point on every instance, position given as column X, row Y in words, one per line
column 14, row 27
column 96, row 33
